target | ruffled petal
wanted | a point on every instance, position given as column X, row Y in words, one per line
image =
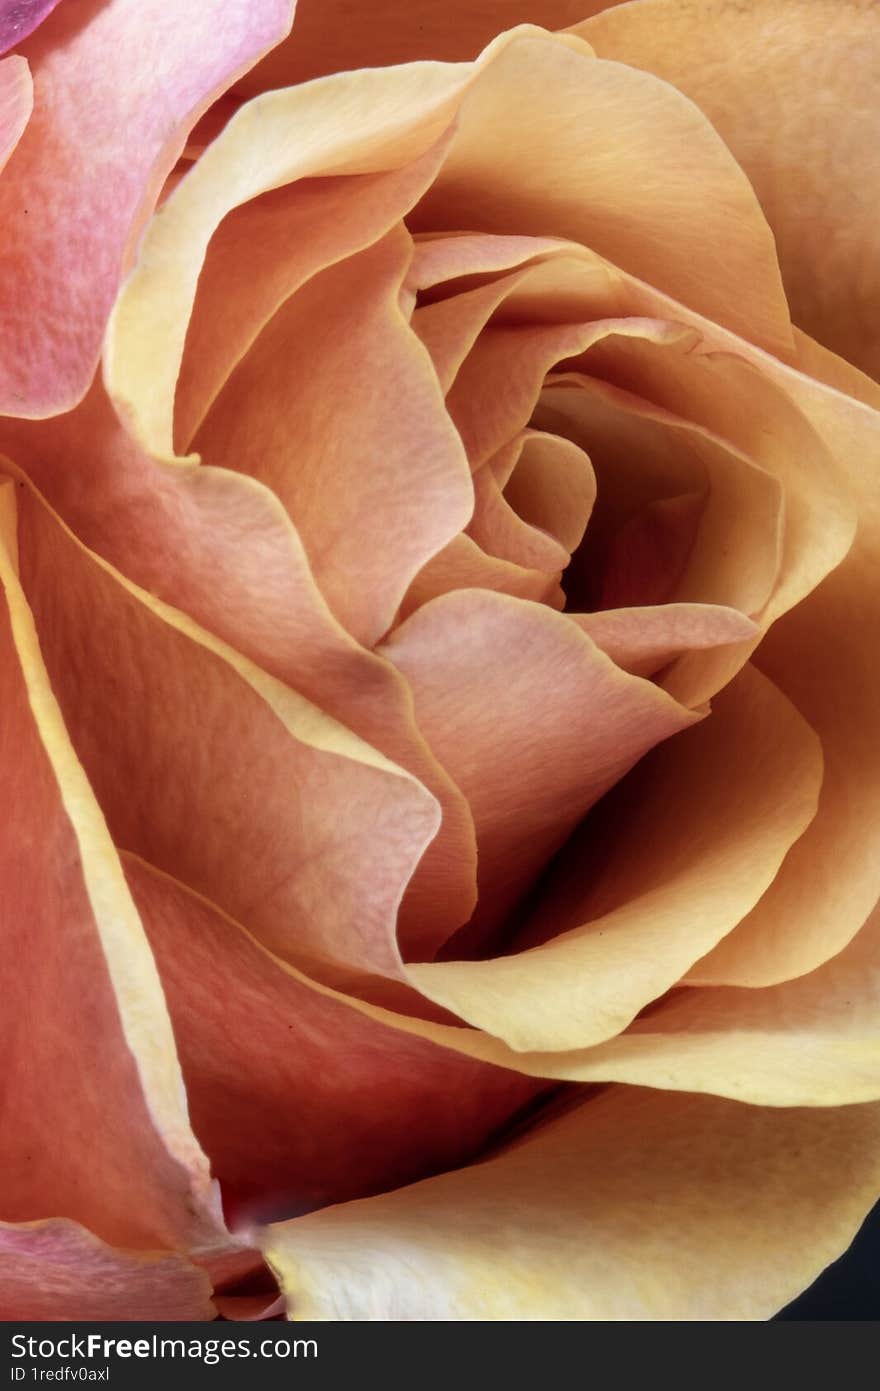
column 116, row 87
column 331, row 408
column 299, row 1099
column 219, row 774
column 769, row 75
column 680, row 853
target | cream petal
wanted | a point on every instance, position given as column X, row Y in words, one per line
column 790, row 86
column 675, row 861
column 635, row 1205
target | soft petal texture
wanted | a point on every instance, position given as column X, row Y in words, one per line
column 644, row 639
column 299, row 1099
column 332, row 408
column 117, row 85
column 532, row 721
column 56, row 1271
column 220, row 547
column 373, row 120
column 298, row 230
column 531, row 155
column 801, row 117
column 633, row 1206
column 332, row 35
column 304, row 833
column 808, row 1042
column 18, row 18
column 688, row 848
column 464, row 565
column 97, row 1058
column 16, row 103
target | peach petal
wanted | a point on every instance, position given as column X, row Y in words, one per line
column 712, row 814
column 497, row 385
column 332, row 35
column 455, row 254
column 373, row 120
column 644, row 639
column 330, row 408
column 57, row 1271
column 220, row 547
column 67, row 241
column 463, row 565
column 553, row 488
column 100, row 1060
column 635, row 1205
column 767, row 74
column 218, row 773
column 300, row 229
column 532, row 721
column 647, row 558
column 299, row 1099
column 814, row 1041
column 20, row 18
column 16, row 103
column 644, row 455
column 531, row 155
column 538, row 474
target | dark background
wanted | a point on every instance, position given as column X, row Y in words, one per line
column 850, row 1288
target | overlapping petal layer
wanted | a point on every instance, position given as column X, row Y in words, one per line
column 117, row 84
column 635, row 1205
column 97, row 1132
column 299, row 1099
column 800, row 117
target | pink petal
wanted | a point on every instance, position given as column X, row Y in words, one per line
column 117, row 83
column 57, row 1271
column 18, row 18
column 299, row 1099
column 219, row 774
column 90, row 1072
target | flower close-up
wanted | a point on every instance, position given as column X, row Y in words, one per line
column 440, row 712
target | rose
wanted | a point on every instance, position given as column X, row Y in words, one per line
column 281, row 753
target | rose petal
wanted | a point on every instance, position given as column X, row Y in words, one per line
column 805, row 60
column 636, row 1205
column 219, row 774
column 18, row 18
column 463, row 565
column 16, row 103
column 808, row 1042
column 300, row 229
column 299, row 1099
column 56, row 1271
column 678, row 857
column 532, row 722
column 97, row 1058
column 552, row 142
column 220, row 547
column 116, row 87
column 330, row 408
column 332, row 35
column 373, row 120
column 644, row 639
column 550, row 478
